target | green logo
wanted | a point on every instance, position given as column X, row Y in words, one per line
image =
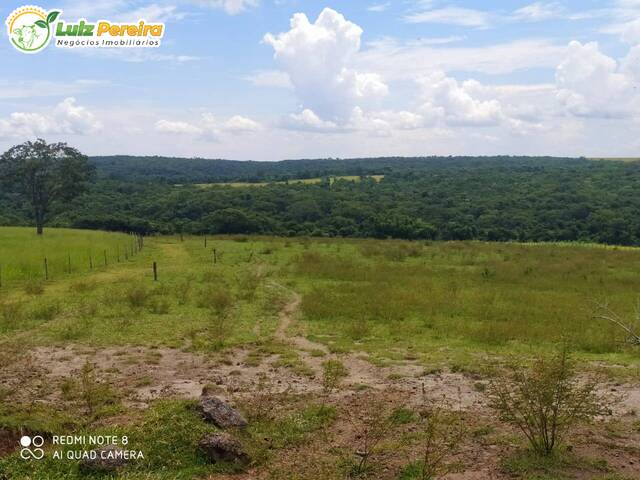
column 30, row 28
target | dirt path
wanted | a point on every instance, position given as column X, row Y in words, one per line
column 407, row 376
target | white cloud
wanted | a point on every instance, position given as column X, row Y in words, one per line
column 240, row 124
column 269, row 78
column 307, row 120
column 397, row 60
column 66, row 118
column 168, row 126
column 464, row 17
column 317, row 58
column 591, row 84
column 538, row 11
column 445, row 99
column 379, row 7
column 209, row 127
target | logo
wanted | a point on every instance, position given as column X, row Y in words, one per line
column 36, row 452
column 30, row 28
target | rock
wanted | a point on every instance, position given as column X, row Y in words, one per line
column 220, row 413
column 222, row 447
column 107, row 459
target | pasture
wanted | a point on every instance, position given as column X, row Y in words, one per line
column 302, row 181
column 257, row 320
column 23, row 253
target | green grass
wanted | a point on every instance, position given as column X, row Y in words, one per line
column 304, row 181
column 23, row 253
column 453, row 300
column 459, row 305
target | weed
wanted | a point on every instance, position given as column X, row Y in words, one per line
column 545, row 401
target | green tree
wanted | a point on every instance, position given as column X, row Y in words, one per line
column 44, row 174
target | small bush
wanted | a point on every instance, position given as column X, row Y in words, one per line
column 46, row 311
column 159, row 306
column 217, row 299
column 333, row 372
column 11, row 312
column 545, row 401
column 34, row 287
column 137, row 296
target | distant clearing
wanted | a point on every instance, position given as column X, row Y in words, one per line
column 306, row 181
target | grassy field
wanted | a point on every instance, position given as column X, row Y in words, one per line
column 23, row 253
column 258, row 321
column 304, row 181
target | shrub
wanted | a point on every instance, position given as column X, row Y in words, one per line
column 46, row 311
column 34, row 287
column 11, row 312
column 545, row 401
column 159, row 306
column 216, row 299
column 333, row 372
column 441, row 433
column 137, row 296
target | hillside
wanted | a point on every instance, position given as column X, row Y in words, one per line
column 199, row 170
column 470, row 198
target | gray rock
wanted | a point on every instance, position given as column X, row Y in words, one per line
column 222, row 447
column 107, row 459
column 221, row 414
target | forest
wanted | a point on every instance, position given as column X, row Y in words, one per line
column 526, row 199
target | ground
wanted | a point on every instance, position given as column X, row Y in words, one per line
column 111, row 350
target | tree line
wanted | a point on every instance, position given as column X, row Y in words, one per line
column 439, row 198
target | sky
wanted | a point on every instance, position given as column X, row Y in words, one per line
column 283, row 79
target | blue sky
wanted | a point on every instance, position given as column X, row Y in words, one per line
column 275, row 79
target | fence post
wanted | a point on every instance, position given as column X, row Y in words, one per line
column 155, row 272
column 118, row 253
column 90, row 262
column 205, row 241
column 215, row 256
column 46, row 269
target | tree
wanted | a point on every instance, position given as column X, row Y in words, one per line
column 44, row 174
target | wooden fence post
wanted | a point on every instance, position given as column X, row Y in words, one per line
column 155, row 272
column 90, row 262
column 205, row 241
column 215, row 256
column 46, row 269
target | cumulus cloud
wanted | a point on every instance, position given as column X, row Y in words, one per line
column 592, row 84
column 445, row 99
column 209, row 127
column 240, row 124
column 317, row 58
column 66, row 118
column 307, row 120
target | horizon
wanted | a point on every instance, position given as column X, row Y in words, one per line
column 269, row 80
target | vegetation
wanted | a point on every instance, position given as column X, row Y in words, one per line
column 546, row 401
column 375, row 332
column 490, row 199
column 43, row 175
column 68, row 254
